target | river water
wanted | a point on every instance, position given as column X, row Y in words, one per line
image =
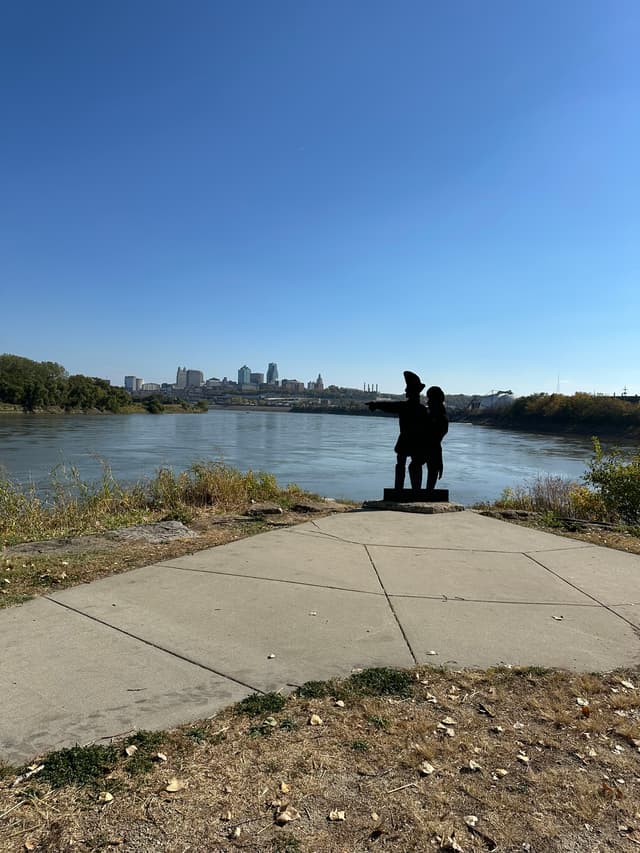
column 333, row 455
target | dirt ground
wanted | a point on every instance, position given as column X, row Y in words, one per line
column 508, row 760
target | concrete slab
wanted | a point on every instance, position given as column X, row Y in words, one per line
column 232, row 624
column 66, row 679
column 630, row 612
column 280, row 555
column 458, row 530
column 471, row 575
column 168, row 643
column 587, row 639
column 612, row 577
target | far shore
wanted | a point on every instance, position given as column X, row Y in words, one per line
column 535, row 427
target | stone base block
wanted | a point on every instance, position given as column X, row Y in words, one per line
column 420, row 495
column 415, row 506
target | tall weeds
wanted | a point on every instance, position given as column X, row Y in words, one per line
column 548, row 493
column 610, row 491
column 70, row 506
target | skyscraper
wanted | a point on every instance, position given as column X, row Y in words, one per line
column 181, row 377
column 195, row 378
column 244, row 375
column 272, row 373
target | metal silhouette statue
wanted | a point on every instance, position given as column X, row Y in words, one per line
column 422, row 429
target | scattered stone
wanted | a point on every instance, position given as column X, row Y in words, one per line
column 153, row 534
column 264, row 509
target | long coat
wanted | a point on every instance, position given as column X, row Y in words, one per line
column 420, row 431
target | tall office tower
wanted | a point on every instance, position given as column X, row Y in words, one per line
column 181, row 377
column 139, row 383
column 272, row 373
column 130, row 383
column 244, row 375
column 195, row 378
column 257, row 378
column 319, row 383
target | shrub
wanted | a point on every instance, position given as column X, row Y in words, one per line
column 616, row 478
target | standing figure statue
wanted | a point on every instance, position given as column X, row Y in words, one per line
column 421, row 432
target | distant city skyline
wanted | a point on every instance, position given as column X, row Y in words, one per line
column 361, row 188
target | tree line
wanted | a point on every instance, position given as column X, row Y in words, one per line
column 540, row 411
column 46, row 384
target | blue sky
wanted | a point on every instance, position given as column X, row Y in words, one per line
column 355, row 188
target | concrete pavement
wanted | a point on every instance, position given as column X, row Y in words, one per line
column 181, row 639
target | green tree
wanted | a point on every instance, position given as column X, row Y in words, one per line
column 153, row 405
column 616, row 478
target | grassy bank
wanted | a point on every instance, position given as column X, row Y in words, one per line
column 73, row 507
column 506, row 759
column 603, row 509
column 128, row 409
column 212, row 498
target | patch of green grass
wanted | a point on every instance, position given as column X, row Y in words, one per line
column 315, row 689
column 269, row 726
column 11, row 599
column 286, row 845
column 145, row 739
column 6, row 770
column 79, row 765
column 258, row 704
column 197, row 734
column 380, row 681
column 360, row 746
column 147, row 743
column 263, row 729
column 378, row 722
column 532, row 671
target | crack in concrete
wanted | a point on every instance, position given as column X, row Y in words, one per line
column 153, row 645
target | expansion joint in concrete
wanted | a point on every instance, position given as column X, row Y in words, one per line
column 635, row 628
column 153, row 645
column 391, row 607
column 271, row 580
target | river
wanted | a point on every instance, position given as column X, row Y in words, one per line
column 333, row 455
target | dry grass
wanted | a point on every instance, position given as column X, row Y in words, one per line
column 72, row 507
column 578, row 791
column 24, row 574
column 546, row 493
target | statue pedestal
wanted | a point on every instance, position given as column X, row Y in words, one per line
column 417, row 496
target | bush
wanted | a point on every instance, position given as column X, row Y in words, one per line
column 616, row 479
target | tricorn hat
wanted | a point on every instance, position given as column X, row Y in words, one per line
column 413, row 381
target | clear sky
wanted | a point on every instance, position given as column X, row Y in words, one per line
column 354, row 187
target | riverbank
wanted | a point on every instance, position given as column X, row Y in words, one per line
column 540, row 426
column 133, row 409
